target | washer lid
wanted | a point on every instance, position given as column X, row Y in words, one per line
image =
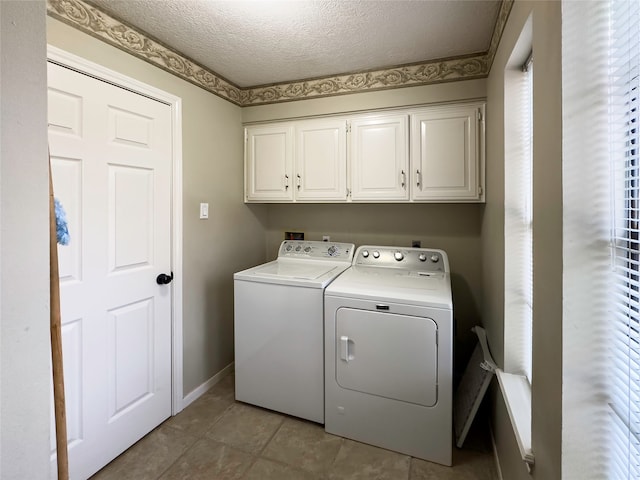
column 300, row 270
column 304, row 273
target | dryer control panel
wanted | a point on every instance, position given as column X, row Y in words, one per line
column 413, row 259
column 305, row 249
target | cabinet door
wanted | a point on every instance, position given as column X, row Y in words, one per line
column 445, row 153
column 321, row 160
column 269, row 162
column 380, row 158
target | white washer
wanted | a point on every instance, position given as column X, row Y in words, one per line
column 279, row 361
column 388, row 352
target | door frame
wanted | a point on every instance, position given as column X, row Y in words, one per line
column 81, row 65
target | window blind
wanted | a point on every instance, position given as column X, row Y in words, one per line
column 601, row 240
column 624, row 82
column 518, row 221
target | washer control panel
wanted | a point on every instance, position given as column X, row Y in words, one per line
column 415, row 259
column 317, row 250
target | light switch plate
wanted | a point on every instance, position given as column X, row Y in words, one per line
column 204, row 211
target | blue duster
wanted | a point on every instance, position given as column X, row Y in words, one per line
column 62, row 231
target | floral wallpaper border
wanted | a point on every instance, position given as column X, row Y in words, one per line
column 98, row 24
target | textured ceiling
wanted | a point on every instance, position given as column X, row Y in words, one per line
column 261, row 42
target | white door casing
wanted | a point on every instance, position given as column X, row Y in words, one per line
column 112, row 159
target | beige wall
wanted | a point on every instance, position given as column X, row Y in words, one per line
column 547, row 254
column 232, row 238
column 25, row 368
column 454, row 228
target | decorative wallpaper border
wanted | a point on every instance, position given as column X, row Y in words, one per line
column 98, row 24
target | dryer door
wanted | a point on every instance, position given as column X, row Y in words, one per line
column 388, row 355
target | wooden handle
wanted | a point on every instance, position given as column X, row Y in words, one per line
column 56, row 343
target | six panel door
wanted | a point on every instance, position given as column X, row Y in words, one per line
column 111, row 162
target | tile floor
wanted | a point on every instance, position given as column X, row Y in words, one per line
column 217, row 438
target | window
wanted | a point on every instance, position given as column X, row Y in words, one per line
column 516, row 376
column 518, row 221
column 624, row 82
column 601, row 240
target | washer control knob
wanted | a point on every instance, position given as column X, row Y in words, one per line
column 434, row 258
column 307, row 249
column 332, row 250
column 422, row 257
column 398, row 256
column 376, row 254
column 365, row 253
column 298, row 248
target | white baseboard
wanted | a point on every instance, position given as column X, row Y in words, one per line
column 200, row 390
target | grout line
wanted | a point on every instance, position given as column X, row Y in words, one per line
column 272, row 436
column 178, row 458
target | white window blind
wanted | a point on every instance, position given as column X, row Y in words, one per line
column 515, row 377
column 518, row 218
column 601, row 240
column 624, row 81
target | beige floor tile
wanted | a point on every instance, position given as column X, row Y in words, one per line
column 357, row 461
column 265, row 469
column 200, row 416
column 150, row 457
column 223, row 390
column 208, row 460
column 304, row 445
column 467, row 465
column 245, row 427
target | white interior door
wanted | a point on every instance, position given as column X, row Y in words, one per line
column 111, row 161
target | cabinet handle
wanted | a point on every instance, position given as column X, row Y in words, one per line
column 299, row 179
column 418, row 178
column 404, row 178
column 286, row 182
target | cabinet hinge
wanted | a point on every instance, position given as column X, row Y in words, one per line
column 246, row 136
column 479, row 115
column 480, row 191
column 348, row 126
column 348, row 192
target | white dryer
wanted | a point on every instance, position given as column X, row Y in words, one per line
column 389, row 352
column 279, row 314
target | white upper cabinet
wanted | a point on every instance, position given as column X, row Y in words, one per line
column 447, row 158
column 269, row 163
column 380, row 158
column 417, row 154
column 321, row 160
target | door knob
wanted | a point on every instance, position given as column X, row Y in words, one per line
column 163, row 278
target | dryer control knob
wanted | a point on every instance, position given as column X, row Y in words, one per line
column 434, row 258
column 398, row 256
column 289, row 248
column 422, row 257
column 365, row 253
column 307, row 249
column 376, row 254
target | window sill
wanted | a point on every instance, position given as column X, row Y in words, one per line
column 516, row 392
